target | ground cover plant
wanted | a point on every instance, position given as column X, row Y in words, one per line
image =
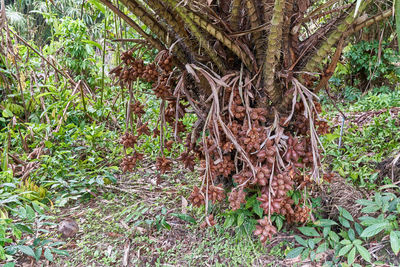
column 138, row 146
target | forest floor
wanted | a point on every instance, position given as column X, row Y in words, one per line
column 119, row 228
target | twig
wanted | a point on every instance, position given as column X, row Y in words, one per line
column 122, row 40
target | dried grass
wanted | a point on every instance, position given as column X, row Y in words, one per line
column 339, row 193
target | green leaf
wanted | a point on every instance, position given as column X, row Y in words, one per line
column 98, row 5
column 344, row 222
column 7, row 113
column 60, row 252
column 38, row 253
column 345, row 214
column 93, row 43
column 311, row 243
column 334, row 236
column 312, row 255
column 229, row 221
column 279, row 222
column 184, row 217
column 23, row 228
column 359, row 228
column 258, row 210
column 48, row 255
column 37, row 207
column 294, row 253
column 308, row 231
column 345, row 242
column 352, row 255
column 9, row 264
column 394, row 239
column 326, row 231
column 322, row 248
column 374, row 229
column 300, row 240
column 240, row 219
column 352, row 234
column 26, row 250
column 305, row 254
column 344, row 250
column 364, row 253
column 30, row 213
column 325, row 222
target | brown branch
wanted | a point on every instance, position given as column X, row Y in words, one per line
column 330, row 70
column 369, row 22
column 154, row 42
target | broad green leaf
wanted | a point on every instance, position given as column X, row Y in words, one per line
column 326, row 231
column 308, row 231
column 23, row 228
column 48, row 255
column 344, row 250
column 300, row 240
column 279, row 223
column 184, row 217
column 60, row 252
column 9, row 264
column 37, row 207
column 240, row 219
column 93, row 43
column 352, row 255
column 38, row 253
column 322, row 248
column 351, row 234
column 311, row 243
column 334, row 236
column 229, row 221
column 394, row 239
column 98, row 5
column 257, row 209
column 374, row 229
column 345, row 242
column 345, row 214
column 26, row 250
column 325, row 222
column 305, row 254
column 365, row 202
column 294, row 252
column 7, row 113
column 359, row 228
column 364, row 253
column 30, row 213
column 344, row 222
column 312, row 255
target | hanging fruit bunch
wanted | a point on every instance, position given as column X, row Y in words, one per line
column 250, row 149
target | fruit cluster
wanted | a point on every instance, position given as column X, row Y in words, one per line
column 159, row 74
column 258, row 152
